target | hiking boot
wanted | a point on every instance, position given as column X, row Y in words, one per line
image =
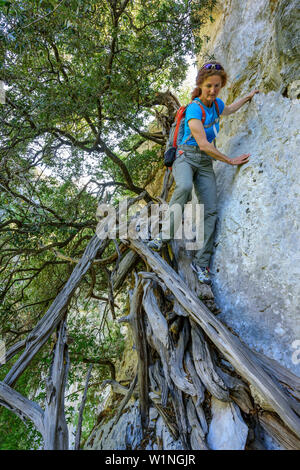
column 202, row 273
column 156, row 244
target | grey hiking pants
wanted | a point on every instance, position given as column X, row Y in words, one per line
column 195, row 167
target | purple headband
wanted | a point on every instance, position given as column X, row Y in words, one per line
column 212, row 67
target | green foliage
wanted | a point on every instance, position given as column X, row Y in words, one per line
column 87, row 59
column 17, row 435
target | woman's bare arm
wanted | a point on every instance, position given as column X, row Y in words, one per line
column 198, row 133
column 232, row 108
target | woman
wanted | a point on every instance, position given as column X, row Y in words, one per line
column 193, row 164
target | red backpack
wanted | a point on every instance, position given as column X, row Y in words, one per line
column 177, row 131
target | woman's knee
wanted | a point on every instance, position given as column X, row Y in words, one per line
column 183, row 189
column 210, row 211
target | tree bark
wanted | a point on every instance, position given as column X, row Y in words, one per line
column 80, row 416
column 186, row 356
column 229, row 345
column 56, row 435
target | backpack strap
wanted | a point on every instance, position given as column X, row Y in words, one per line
column 202, row 119
column 203, row 111
column 178, row 118
column 180, row 114
column 217, row 107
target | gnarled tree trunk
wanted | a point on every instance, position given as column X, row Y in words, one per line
column 194, row 358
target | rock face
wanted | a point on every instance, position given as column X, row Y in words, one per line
column 258, row 44
column 256, row 264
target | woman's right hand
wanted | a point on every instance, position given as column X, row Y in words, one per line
column 240, row 160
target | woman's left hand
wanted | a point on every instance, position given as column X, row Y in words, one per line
column 250, row 96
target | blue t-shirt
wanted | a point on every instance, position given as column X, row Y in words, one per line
column 193, row 111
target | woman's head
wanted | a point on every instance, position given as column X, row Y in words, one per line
column 209, row 70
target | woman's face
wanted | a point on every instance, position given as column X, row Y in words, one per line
column 210, row 89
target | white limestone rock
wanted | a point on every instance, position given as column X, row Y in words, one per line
column 227, row 430
column 256, row 265
column 257, row 42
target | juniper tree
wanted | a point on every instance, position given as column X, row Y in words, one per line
column 85, row 80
